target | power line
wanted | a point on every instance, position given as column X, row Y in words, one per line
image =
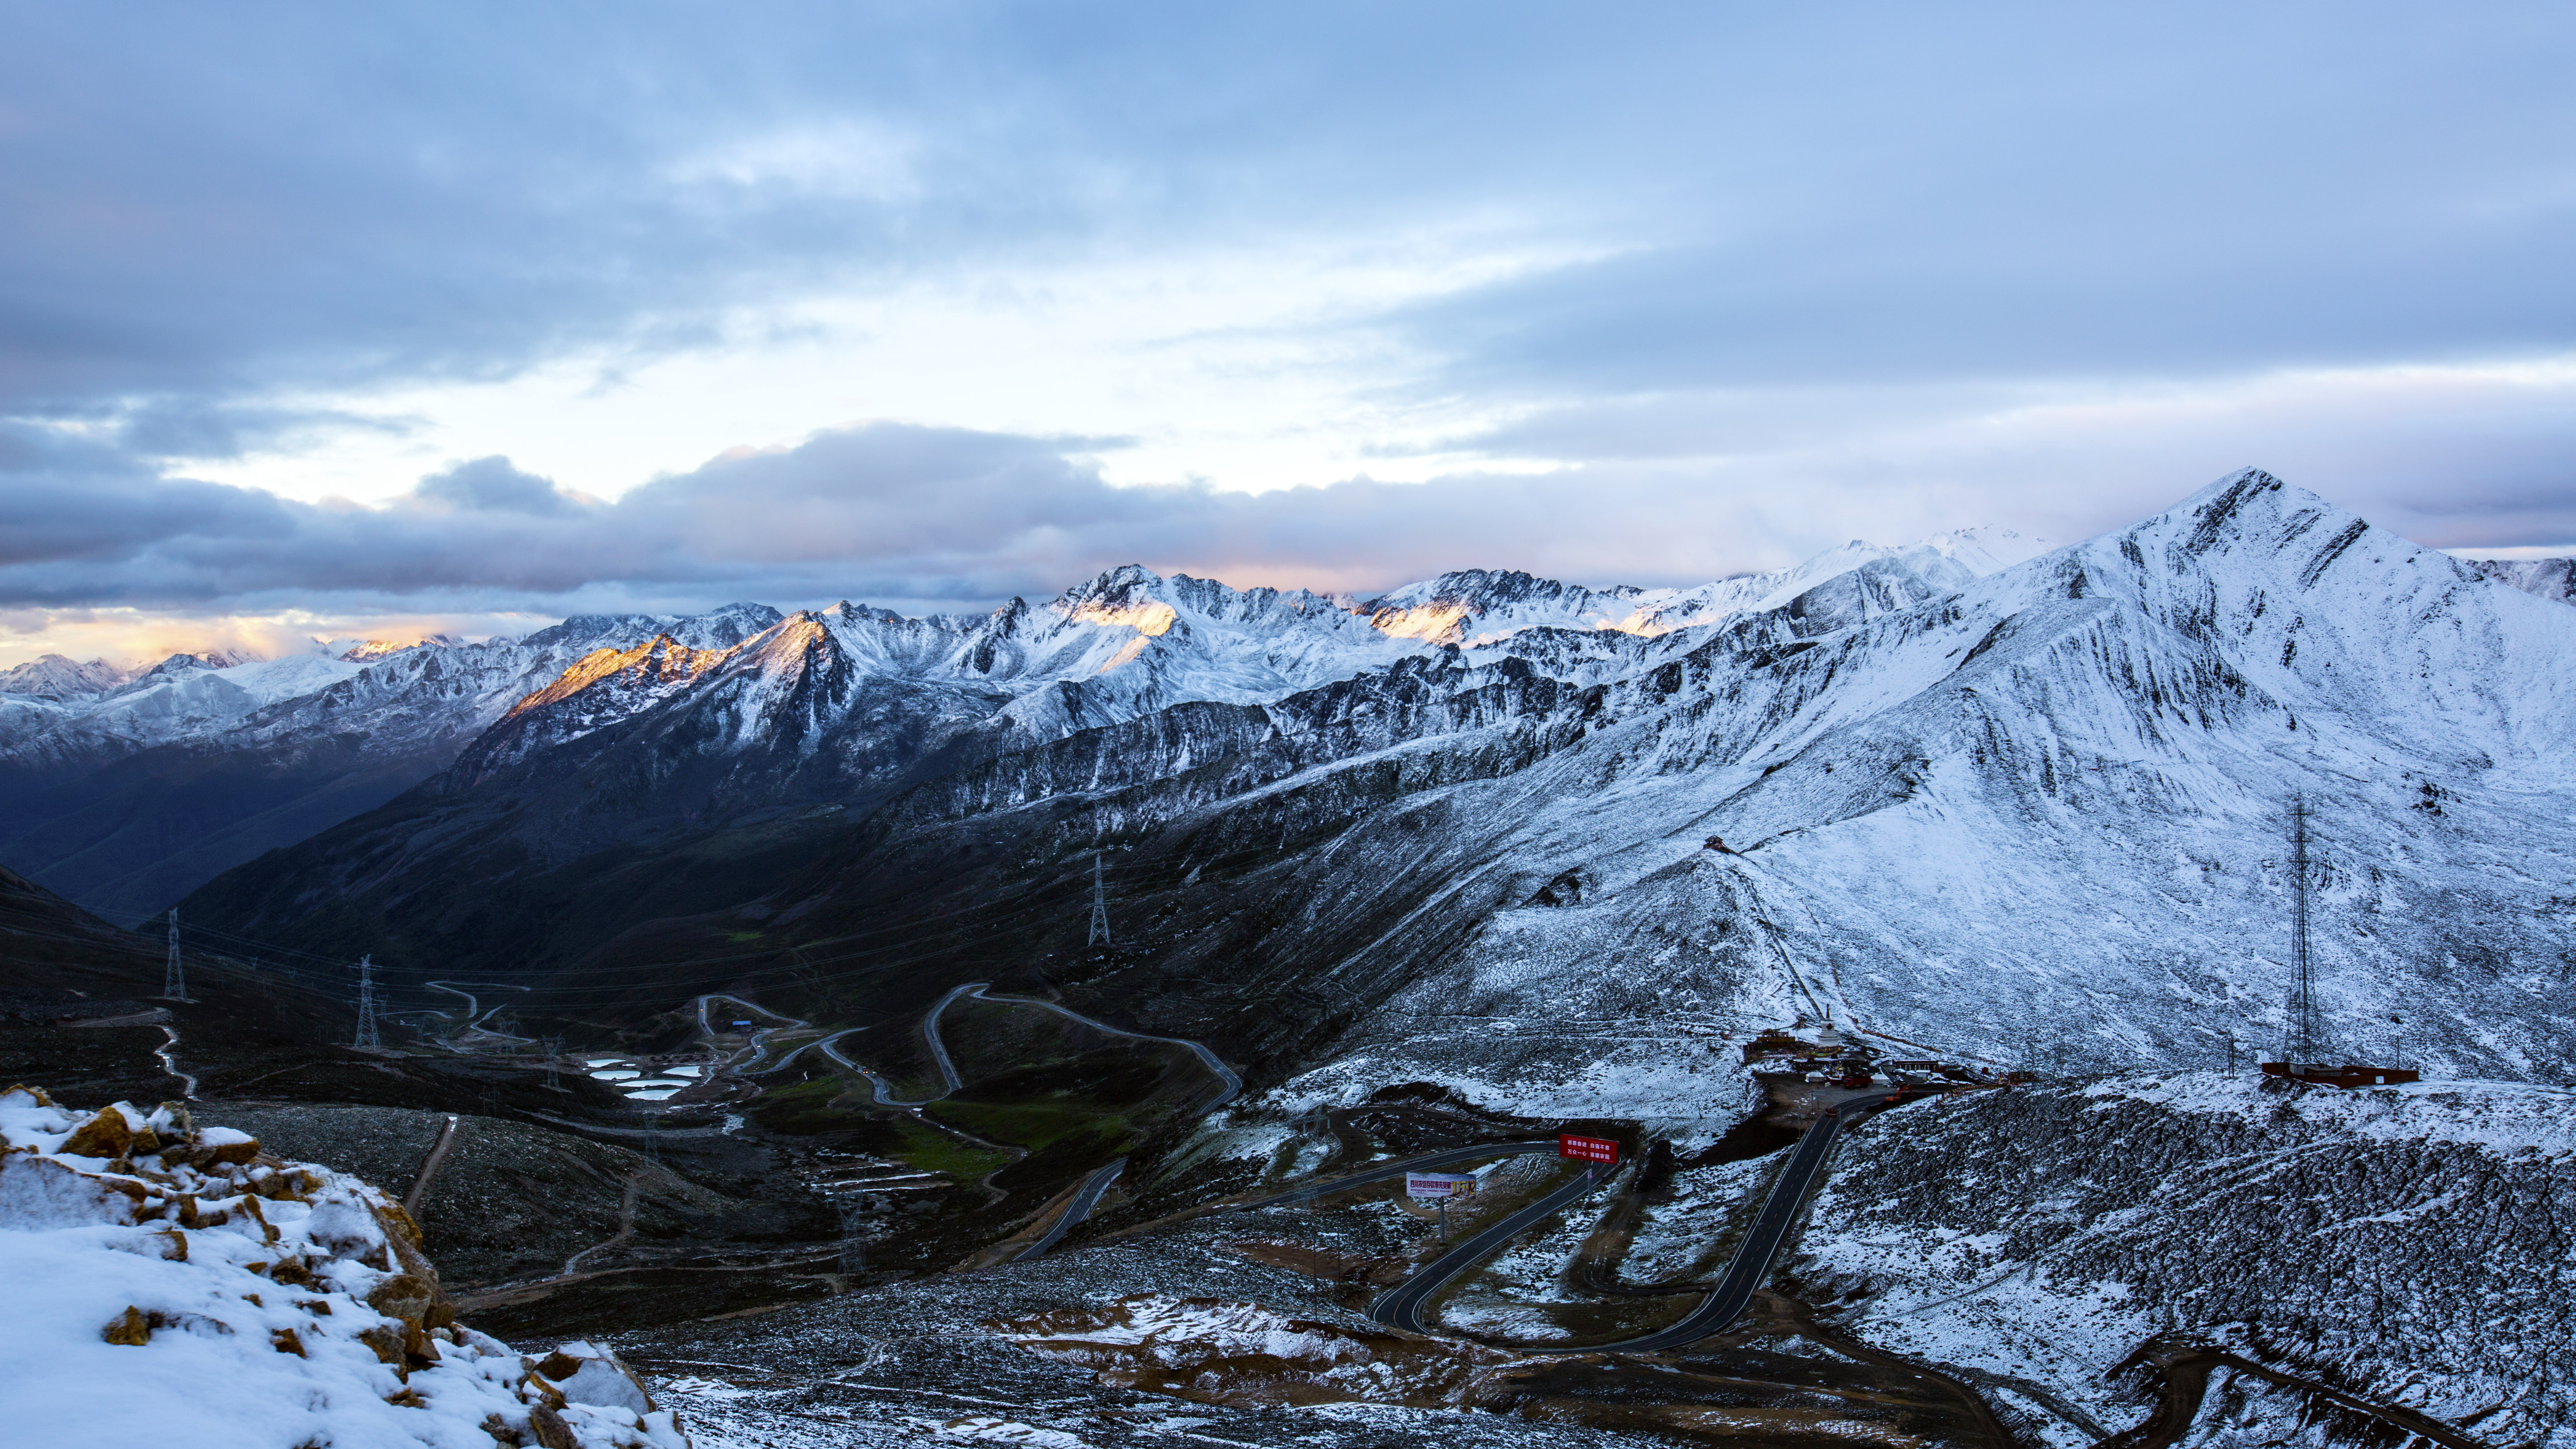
column 908, row 928
column 221, row 965
column 884, row 957
column 903, row 952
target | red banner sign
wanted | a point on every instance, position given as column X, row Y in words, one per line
column 1586, row 1149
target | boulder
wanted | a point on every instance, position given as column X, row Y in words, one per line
column 130, row 1328
column 110, row 1134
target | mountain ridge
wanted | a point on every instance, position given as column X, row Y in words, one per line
column 1909, row 784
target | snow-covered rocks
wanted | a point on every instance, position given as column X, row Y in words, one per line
column 1246, row 1353
column 165, row 1283
column 2408, row 1245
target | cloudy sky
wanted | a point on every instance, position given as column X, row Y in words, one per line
column 335, row 319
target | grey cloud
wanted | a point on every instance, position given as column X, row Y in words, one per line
column 1823, row 246
column 492, row 485
column 221, row 202
column 938, row 519
column 198, row 427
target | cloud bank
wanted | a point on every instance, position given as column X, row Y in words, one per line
column 928, row 519
column 1650, row 295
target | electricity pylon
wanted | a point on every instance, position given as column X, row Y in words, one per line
column 2307, row 1043
column 367, row 1035
column 1099, row 906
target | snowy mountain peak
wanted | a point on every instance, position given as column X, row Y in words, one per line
column 368, row 651
column 1479, row 606
column 53, row 676
column 656, row 664
column 178, row 665
column 1128, row 596
column 723, row 628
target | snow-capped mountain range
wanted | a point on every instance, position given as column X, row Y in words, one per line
column 1853, row 785
column 342, row 729
column 2002, row 801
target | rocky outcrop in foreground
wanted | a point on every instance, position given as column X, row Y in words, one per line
column 164, row 1283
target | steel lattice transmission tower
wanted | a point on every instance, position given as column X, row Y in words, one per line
column 1099, row 906
column 2307, row 1043
column 367, row 1036
column 174, row 977
column 554, row 1061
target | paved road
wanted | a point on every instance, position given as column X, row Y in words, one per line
column 883, row 1088
column 1085, row 1199
column 429, row 1166
column 760, row 1035
column 938, row 1048
column 1401, row 1306
column 948, row 1077
column 1753, row 1257
column 1224, row 1073
column 475, row 1011
column 1379, row 1172
column 1087, row 1196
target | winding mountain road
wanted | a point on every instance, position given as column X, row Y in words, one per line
column 950, row 1081
column 1401, row 1306
column 760, row 1035
column 1225, row 1074
column 1085, row 1199
column 475, row 1011
column 1088, row 1196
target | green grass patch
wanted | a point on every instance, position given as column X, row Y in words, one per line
column 1033, row 1125
column 741, row 936
column 935, row 1152
column 805, row 1109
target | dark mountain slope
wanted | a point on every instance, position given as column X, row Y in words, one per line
column 130, row 796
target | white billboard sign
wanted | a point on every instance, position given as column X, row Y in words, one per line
column 1439, row 1184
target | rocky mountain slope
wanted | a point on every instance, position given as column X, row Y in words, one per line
column 2033, row 813
column 2405, row 1246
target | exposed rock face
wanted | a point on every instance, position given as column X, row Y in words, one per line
column 2550, row 578
column 2408, row 1245
column 289, row 1300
